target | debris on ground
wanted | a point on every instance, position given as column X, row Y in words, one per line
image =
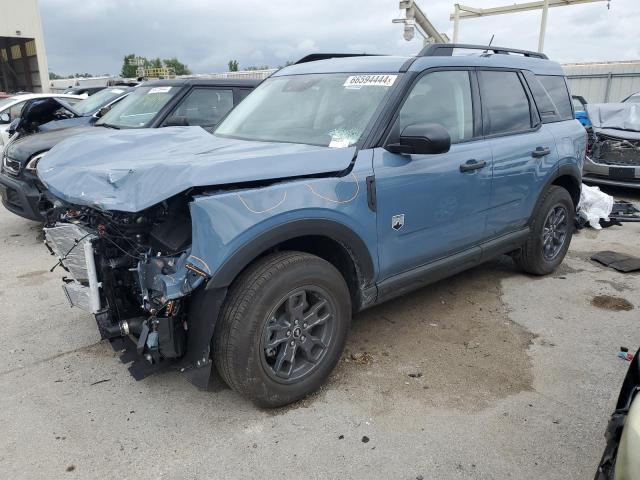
column 628, row 356
column 362, row 358
column 594, row 205
column 415, row 375
column 365, row 439
column 99, row 382
column 623, row 211
column 619, row 261
column 609, row 302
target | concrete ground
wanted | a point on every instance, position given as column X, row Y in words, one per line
column 491, row 374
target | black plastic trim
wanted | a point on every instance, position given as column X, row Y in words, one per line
column 445, row 267
column 298, row 228
column 371, row 193
column 446, row 50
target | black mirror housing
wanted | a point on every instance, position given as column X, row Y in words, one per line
column 103, row 111
column 422, row 139
column 14, row 125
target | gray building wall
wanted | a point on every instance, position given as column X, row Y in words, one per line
column 603, row 81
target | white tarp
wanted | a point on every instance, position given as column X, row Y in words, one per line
column 594, row 205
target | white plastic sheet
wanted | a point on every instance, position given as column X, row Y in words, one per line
column 594, row 205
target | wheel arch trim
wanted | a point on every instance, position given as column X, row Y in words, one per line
column 331, row 229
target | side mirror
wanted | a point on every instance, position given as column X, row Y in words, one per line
column 422, row 139
column 103, row 111
column 5, row 118
column 176, row 121
column 13, row 126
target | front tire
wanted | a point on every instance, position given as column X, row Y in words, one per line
column 282, row 328
column 551, row 231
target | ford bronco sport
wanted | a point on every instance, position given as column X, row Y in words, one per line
column 337, row 184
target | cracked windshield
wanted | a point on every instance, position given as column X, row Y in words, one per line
column 329, row 110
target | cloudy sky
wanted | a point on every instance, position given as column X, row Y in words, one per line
column 94, row 35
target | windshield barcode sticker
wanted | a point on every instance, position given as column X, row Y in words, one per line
column 357, row 81
column 159, row 90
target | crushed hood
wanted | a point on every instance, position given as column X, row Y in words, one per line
column 611, row 117
column 131, row 170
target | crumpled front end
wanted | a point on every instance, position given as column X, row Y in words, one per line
column 131, row 272
column 614, row 145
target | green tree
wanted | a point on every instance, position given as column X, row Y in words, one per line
column 258, row 67
column 128, row 71
column 153, row 63
column 55, row 76
column 179, row 67
column 233, row 65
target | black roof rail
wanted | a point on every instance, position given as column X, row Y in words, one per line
column 312, row 57
column 446, row 50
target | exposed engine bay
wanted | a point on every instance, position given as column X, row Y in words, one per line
column 616, row 151
column 130, row 271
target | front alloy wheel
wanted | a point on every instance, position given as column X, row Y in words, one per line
column 282, row 328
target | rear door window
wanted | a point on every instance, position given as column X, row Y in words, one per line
column 505, row 102
column 557, row 89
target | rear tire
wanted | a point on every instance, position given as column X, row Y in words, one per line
column 551, row 231
column 282, row 328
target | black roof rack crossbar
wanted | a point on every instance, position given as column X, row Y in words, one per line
column 325, row 56
column 446, row 50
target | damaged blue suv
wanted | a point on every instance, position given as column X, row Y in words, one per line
column 342, row 181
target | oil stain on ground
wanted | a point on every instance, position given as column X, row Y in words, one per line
column 449, row 345
column 609, row 302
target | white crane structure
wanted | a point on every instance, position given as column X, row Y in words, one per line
column 462, row 12
column 415, row 17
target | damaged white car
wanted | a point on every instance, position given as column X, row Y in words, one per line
column 614, row 147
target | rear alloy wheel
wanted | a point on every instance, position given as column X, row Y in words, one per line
column 551, row 231
column 282, row 328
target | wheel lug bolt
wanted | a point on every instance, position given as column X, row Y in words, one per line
column 303, row 338
column 305, row 325
column 288, row 333
column 292, row 343
column 295, row 322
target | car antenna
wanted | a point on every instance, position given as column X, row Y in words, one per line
column 490, row 42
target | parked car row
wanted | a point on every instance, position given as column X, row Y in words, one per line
column 151, row 105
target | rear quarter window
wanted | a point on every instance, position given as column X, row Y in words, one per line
column 556, row 88
column 505, row 103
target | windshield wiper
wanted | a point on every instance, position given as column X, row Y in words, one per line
column 108, row 125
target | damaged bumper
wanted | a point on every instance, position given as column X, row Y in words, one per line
column 152, row 321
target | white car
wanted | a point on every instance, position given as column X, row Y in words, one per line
column 10, row 109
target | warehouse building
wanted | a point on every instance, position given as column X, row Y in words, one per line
column 602, row 82
column 23, row 62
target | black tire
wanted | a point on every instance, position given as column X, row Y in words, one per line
column 247, row 325
column 532, row 257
